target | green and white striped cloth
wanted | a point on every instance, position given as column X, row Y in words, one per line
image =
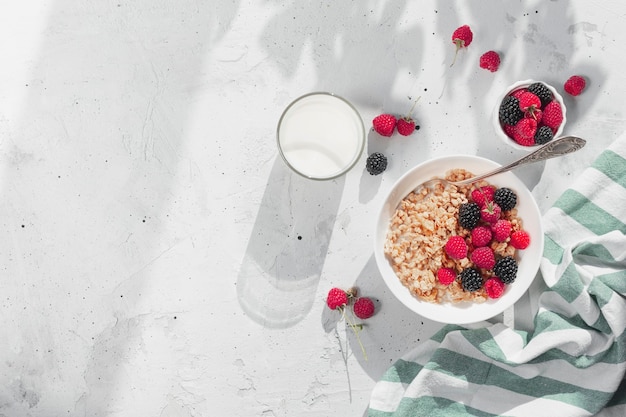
column 574, row 361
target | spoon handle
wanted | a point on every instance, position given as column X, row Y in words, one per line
column 552, row 149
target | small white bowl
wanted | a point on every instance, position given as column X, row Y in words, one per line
column 529, row 258
column 496, row 114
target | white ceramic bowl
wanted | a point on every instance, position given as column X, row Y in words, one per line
column 529, row 258
column 496, row 117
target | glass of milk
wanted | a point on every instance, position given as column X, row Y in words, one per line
column 320, row 136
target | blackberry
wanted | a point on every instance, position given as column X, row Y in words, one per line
column 469, row 215
column 376, row 163
column 505, row 198
column 506, row 269
column 471, row 279
column 541, row 91
column 543, row 135
column 509, row 112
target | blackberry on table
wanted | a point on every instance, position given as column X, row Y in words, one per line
column 541, row 91
column 471, row 279
column 510, row 112
column 376, row 163
column 506, row 269
column 505, row 198
column 469, row 215
column 544, row 135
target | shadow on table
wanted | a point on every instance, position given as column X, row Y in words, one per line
column 287, row 248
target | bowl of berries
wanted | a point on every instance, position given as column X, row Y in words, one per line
column 458, row 254
column 528, row 114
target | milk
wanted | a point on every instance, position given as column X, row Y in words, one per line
column 320, row 136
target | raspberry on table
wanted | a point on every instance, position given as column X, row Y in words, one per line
column 505, row 198
column 506, row 269
column 461, row 38
column 471, row 279
column 336, row 299
column 494, row 287
column 574, row 85
column 405, row 126
column 510, row 112
column 490, row 60
column 456, row 248
column 446, row 276
column 541, row 90
column 483, row 257
column 481, row 236
column 384, row 124
column 520, row 239
column 363, row 308
column 376, row 163
column 469, row 215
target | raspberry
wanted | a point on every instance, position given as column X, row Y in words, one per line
column 501, row 230
column 574, row 85
column 535, row 114
column 469, row 215
column 552, row 115
column 506, row 269
column 541, row 91
column 384, row 124
column 505, row 198
column 456, row 248
column 494, row 287
column 509, row 112
column 376, row 163
column 520, row 239
column 461, row 37
column 524, row 132
column 490, row 212
column 363, row 308
column 471, row 279
column 481, row 236
column 490, row 61
column 482, row 195
column 446, row 276
column 517, row 93
column 483, row 257
column 544, row 135
column 406, row 126
column 528, row 102
column 336, row 299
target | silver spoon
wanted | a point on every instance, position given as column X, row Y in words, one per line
column 556, row 147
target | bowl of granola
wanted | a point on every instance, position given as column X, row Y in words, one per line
column 463, row 254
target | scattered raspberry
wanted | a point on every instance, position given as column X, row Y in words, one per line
column 520, row 239
column 524, row 132
column 528, row 102
column 406, row 126
column 481, row 236
column 446, row 276
column 494, row 287
column 574, row 85
column 552, row 115
column 336, row 299
column 363, row 308
column 483, row 257
column 461, row 37
column 456, row 248
column 483, row 194
column 490, row 212
column 501, row 230
column 384, row 124
column 490, row 61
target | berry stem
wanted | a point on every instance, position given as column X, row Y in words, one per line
column 458, row 46
column 413, row 106
column 356, row 328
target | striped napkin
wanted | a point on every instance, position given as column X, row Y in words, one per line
column 574, row 361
